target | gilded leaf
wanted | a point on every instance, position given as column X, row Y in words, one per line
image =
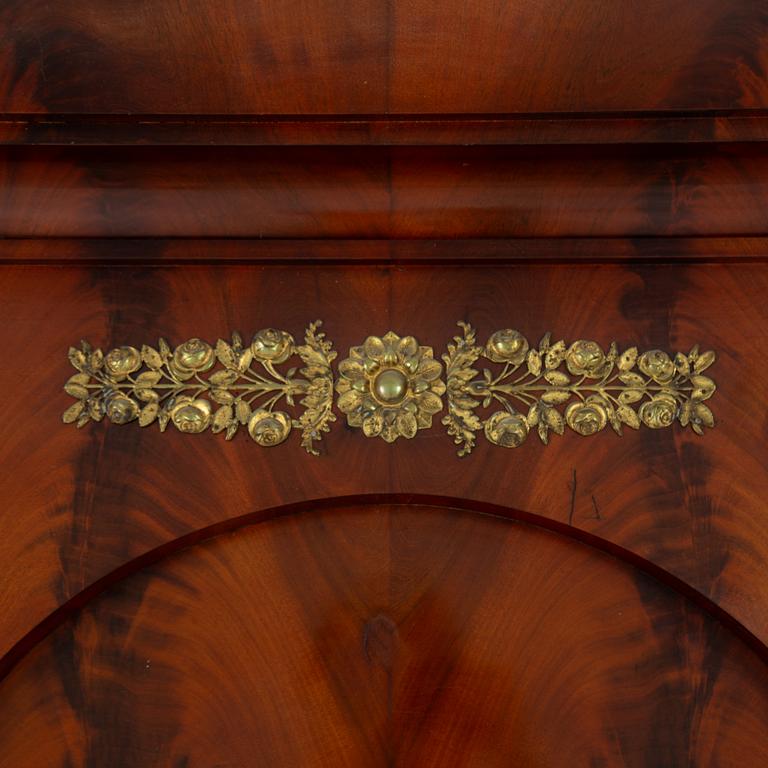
column 244, row 360
column 77, row 358
column 681, row 364
column 148, row 414
column 222, row 396
column 555, row 355
column 703, row 387
column 554, row 420
column 151, row 357
column 76, row 385
column 225, row 354
column 703, row 361
column 221, row 419
column 148, row 379
column 685, row 413
column 557, row 378
column 73, row 412
column 628, row 416
column 556, row 396
column 223, row 378
column 243, row 411
column 534, row 362
column 630, row 396
column 632, row 379
column 162, row 419
column 702, row 414
column 96, row 360
column 628, row 359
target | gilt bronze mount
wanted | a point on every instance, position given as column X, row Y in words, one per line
column 391, row 387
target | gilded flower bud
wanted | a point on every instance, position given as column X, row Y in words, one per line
column 587, row 418
column 659, row 412
column 269, row 428
column 120, row 408
column 585, row 358
column 193, row 355
column 658, row 365
column 508, row 430
column 272, row 345
column 507, row 346
column 122, row 361
column 191, row 416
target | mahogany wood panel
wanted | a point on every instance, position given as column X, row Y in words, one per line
column 388, row 636
column 369, row 192
column 85, row 503
column 368, row 57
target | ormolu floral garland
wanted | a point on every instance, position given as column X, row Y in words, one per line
column 391, row 387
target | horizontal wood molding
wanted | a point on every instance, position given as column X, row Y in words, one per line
column 415, row 130
column 385, row 192
column 147, row 252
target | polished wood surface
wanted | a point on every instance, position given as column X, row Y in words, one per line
column 95, row 499
column 193, row 168
column 380, row 635
column 364, row 192
column 369, row 57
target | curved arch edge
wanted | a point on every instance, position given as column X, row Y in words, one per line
column 77, row 602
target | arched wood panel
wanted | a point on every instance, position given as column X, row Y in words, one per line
column 97, row 498
column 388, row 635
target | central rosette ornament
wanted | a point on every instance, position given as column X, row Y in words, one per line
column 390, row 387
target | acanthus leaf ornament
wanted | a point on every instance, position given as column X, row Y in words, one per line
column 391, row 387
column 180, row 387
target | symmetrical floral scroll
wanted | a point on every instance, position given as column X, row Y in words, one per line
column 180, row 386
column 596, row 389
column 391, row 387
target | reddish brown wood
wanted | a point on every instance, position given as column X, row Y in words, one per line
column 368, row 57
column 95, row 499
column 380, row 635
column 187, row 169
column 426, row 192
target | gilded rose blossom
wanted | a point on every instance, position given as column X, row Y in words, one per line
column 585, row 358
column 191, row 416
column 661, row 411
column 587, row 418
column 507, row 346
column 122, row 361
column 193, row 355
column 272, row 345
column 506, row 429
column 390, row 387
column 658, row 365
column 269, row 428
column 120, row 408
